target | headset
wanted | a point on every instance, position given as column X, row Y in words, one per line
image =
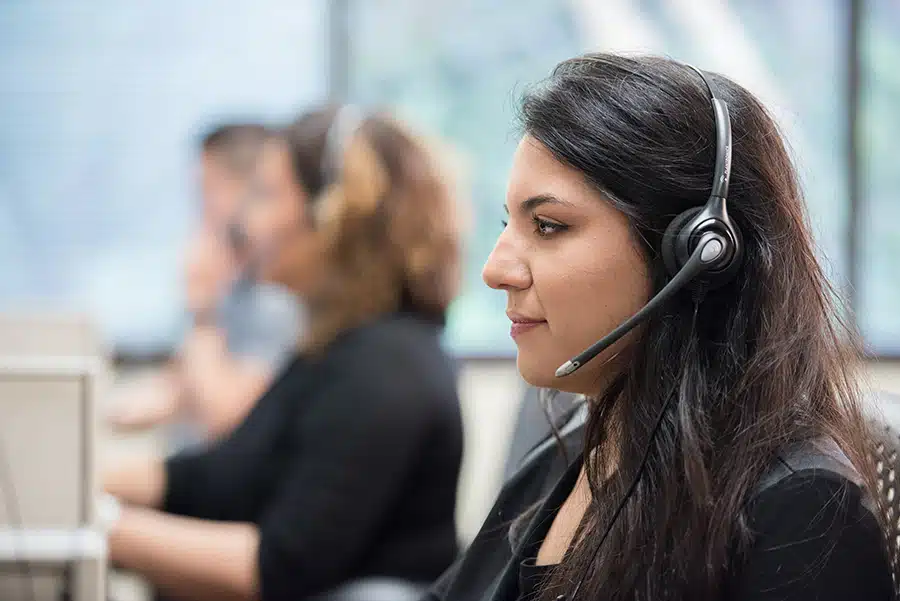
column 702, row 250
column 345, row 124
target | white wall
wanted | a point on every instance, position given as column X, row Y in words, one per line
column 490, row 393
column 885, row 376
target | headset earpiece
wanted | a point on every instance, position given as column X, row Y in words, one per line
column 683, row 234
column 667, row 249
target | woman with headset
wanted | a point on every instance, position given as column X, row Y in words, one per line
column 346, row 468
column 724, row 456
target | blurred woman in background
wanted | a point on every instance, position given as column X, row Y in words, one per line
column 347, row 467
column 724, row 453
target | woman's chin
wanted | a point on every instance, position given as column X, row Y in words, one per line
column 541, row 373
column 537, row 371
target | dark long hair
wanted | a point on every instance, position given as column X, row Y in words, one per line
column 766, row 363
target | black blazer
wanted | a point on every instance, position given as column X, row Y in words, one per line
column 815, row 534
column 348, row 464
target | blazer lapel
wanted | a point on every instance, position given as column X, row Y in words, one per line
column 507, row 583
column 490, row 568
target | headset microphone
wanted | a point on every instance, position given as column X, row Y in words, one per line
column 701, row 247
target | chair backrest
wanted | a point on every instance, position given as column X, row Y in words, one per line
column 885, row 424
column 535, row 422
column 375, row 589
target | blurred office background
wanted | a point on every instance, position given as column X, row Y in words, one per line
column 102, row 103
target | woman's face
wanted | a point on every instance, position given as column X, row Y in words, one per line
column 570, row 268
column 282, row 245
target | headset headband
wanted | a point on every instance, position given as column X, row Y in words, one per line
column 346, row 123
column 722, row 173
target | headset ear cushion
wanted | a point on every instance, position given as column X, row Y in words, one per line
column 673, row 257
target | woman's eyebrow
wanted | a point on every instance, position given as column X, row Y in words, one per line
column 533, row 202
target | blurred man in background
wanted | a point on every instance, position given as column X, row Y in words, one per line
column 241, row 330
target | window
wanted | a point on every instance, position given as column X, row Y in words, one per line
column 102, row 106
column 457, row 67
column 879, row 235
column 768, row 47
column 454, row 67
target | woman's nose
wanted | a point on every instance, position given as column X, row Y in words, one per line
column 505, row 269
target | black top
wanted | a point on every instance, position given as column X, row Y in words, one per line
column 813, row 540
column 531, row 575
column 348, row 464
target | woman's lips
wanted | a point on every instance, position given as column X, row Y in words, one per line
column 520, row 325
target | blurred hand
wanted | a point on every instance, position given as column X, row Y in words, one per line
column 146, row 403
column 202, row 345
column 208, row 271
column 137, row 482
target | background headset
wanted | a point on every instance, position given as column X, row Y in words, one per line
column 701, row 247
column 702, row 250
column 347, row 121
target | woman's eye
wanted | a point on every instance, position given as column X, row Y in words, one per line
column 544, row 228
column 504, row 223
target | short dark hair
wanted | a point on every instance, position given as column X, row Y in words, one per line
column 237, row 145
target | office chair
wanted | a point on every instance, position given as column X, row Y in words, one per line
column 375, row 589
column 536, row 422
column 886, row 453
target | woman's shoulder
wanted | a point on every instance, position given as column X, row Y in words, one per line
column 397, row 360
column 813, row 528
column 809, row 480
column 809, row 499
column 391, row 325
column 391, row 344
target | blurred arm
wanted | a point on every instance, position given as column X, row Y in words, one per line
column 187, row 558
column 218, row 388
column 138, row 482
column 151, row 403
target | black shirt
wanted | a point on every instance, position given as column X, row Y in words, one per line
column 813, row 540
column 348, row 464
